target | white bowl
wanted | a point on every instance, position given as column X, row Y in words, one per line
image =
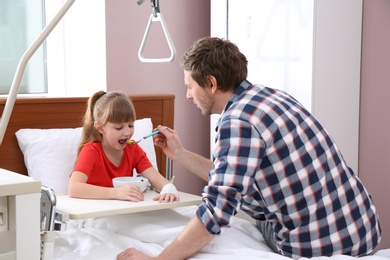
column 141, row 182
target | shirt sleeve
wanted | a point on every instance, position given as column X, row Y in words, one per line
column 238, row 152
column 86, row 160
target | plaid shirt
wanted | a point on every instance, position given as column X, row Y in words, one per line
column 272, row 157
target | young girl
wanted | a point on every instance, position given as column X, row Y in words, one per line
column 104, row 154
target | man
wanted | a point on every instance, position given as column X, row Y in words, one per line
column 273, row 160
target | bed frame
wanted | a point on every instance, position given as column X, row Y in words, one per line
column 46, row 112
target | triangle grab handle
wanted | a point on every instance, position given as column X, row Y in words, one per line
column 157, row 18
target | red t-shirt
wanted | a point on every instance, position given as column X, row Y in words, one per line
column 93, row 162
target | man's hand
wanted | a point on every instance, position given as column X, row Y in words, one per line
column 169, row 141
column 133, row 254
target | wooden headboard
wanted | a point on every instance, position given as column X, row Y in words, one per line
column 45, row 113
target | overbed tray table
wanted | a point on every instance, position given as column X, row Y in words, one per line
column 93, row 208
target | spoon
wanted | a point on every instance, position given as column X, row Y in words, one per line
column 146, row 136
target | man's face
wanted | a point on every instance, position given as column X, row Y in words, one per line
column 202, row 97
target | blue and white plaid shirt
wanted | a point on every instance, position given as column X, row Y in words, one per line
column 272, row 157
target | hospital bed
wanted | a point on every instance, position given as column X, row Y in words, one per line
column 40, row 142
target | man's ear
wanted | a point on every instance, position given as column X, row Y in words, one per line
column 212, row 83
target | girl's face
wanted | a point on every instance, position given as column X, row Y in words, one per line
column 116, row 135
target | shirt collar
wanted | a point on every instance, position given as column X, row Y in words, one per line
column 237, row 92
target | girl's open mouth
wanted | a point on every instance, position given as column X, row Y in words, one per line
column 122, row 141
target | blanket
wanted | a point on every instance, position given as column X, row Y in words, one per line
column 152, row 231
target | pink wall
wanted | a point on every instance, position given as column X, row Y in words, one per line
column 187, row 21
column 374, row 155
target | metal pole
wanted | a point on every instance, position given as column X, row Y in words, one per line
column 22, row 66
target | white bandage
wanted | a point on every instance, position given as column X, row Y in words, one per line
column 169, row 188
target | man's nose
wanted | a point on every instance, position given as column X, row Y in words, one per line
column 188, row 95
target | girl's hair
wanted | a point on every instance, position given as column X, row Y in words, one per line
column 211, row 56
column 114, row 107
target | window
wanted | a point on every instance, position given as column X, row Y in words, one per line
column 20, row 23
column 71, row 62
column 277, row 38
column 334, row 64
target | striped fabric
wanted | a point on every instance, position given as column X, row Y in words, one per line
column 272, row 157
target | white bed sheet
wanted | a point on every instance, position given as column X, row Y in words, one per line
column 151, row 232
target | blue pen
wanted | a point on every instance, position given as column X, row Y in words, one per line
column 146, row 136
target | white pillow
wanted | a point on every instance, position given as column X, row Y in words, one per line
column 50, row 154
column 144, row 127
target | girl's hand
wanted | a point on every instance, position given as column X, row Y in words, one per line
column 167, row 197
column 168, row 194
column 129, row 192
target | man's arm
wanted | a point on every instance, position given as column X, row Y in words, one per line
column 194, row 163
column 169, row 141
column 192, row 239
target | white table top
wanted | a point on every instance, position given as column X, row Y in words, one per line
column 92, row 208
column 12, row 183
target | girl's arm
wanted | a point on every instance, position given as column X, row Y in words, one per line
column 155, row 178
column 158, row 182
column 78, row 188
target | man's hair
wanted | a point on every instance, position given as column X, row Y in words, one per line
column 211, row 56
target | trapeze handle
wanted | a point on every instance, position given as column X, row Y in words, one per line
column 157, row 18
